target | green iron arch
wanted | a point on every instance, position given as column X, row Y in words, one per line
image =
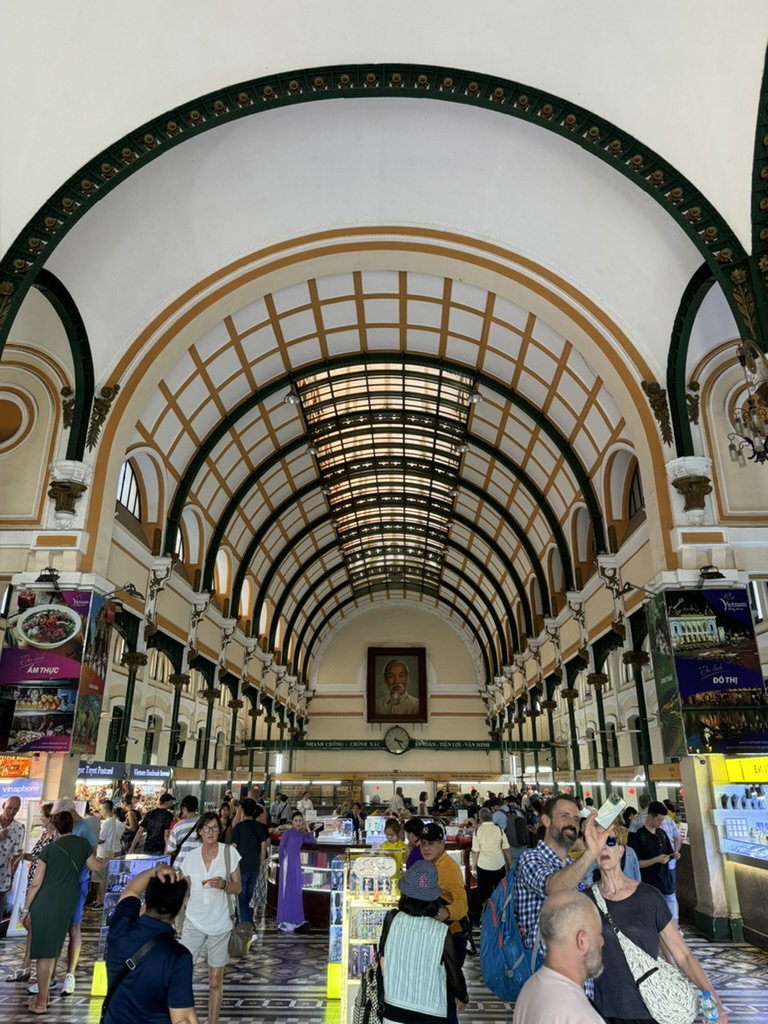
column 66, row 309
column 341, row 605
column 677, row 357
column 340, row 566
column 275, row 516
column 288, row 589
column 283, row 383
column 307, row 530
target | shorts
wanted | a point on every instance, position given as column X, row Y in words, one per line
column 217, row 946
column 77, row 913
column 101, row 874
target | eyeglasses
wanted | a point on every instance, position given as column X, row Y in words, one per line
column 210, row 828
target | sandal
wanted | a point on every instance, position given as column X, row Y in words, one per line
column 20, row 974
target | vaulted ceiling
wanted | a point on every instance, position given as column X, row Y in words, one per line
column 387, row 348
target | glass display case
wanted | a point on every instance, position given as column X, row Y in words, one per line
column 119, row 873
column 335, row 830
column 740, row 813
column 370, row 890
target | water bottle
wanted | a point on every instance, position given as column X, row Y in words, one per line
column 709, row 1011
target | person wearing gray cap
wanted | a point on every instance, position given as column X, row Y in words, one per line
column 422, row 979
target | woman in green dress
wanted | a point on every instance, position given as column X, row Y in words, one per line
column 51, row 900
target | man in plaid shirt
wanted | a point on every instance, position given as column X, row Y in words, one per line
column 547, row 868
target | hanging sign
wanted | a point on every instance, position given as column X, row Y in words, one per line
column 709, row 680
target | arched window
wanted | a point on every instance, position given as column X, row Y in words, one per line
column 128, row 491
column 178, row 548
column 636, row 502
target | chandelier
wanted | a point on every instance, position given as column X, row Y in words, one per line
column 749, row 441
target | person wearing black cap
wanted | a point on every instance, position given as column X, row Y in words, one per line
column 454, row 896
column 423, row 982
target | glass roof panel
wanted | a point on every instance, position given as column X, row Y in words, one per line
column 389, row 442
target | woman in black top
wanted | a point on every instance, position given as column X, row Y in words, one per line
column 640, row 912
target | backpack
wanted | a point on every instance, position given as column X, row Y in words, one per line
column 516, row 830
column 505, row 963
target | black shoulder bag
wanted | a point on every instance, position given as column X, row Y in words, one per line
column 130, row 965
column 177, row 851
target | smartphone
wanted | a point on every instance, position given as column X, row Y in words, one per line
column 610, row 810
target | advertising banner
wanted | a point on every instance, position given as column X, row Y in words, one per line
column 52, row 669
column 670, row 709
column 711, row 646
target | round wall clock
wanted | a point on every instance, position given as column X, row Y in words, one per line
column 397, row 740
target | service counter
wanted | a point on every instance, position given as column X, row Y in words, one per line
column 316, row 862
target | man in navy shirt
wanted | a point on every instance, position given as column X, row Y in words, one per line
column 159, row 989
column 251, row 840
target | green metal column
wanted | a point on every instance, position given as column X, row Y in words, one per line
column 234, row 706
column 211, row 696
column 571, row 695
column 549, row 706
column 267, row 774
column 133, row 660
column 179, row 681
column 638, row 659
column 534, row 715
column 598, row 680
column 253, row 714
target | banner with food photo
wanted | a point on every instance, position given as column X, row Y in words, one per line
column 41, row 666
column 90, row 694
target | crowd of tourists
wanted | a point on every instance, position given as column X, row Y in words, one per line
column 580, row 893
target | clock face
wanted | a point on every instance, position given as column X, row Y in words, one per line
column 397, row 740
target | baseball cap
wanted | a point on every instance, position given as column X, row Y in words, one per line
column 432, row 833
column 64, row 803
column 420, row 882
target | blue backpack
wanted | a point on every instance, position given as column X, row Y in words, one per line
column 505, row 963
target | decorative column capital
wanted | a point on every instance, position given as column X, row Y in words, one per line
column 254, row 713
column 65, row 495
column 637, row 659
column 210, row 695
column 569, row 694
column 549, row 705
column 134, row 660
column 270, row 719
column 235, row 705
column 597, row 679
column 69, row 482
column 691, row 477
column 179, row 680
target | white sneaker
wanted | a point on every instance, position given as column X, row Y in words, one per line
column 68, row 987
column 34, row 990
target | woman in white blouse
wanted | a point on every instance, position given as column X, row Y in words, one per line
column 214, row 875
column 305, row 806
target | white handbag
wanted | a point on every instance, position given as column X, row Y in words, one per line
column 663, row 988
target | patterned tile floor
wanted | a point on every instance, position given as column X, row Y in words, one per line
column 283, row 982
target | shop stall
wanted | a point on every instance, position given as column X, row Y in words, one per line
column 147, row 783
column 99, row 780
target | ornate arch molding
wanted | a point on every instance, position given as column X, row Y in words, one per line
column 740, row 277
